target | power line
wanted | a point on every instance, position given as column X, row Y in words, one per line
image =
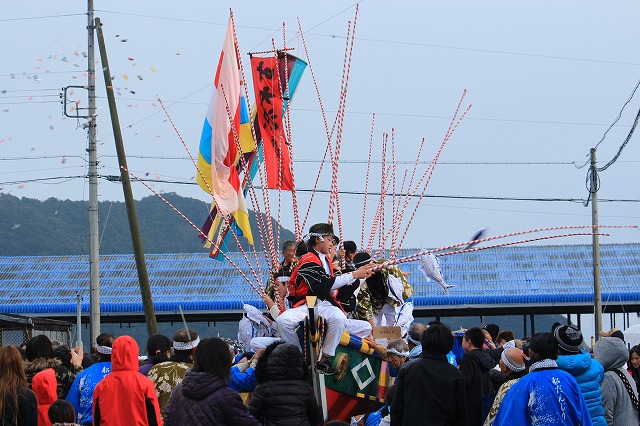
column 620, row 113
column 27, row 18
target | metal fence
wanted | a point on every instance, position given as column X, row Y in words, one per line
column 15, row 330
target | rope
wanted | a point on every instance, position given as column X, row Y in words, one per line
column 197, row 229
column 366, row 181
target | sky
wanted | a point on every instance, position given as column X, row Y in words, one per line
column 545, row 81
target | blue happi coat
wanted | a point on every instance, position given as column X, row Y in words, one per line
column 81, row 392
column 544, row 397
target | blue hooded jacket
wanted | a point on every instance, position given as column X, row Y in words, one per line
column 589, row 374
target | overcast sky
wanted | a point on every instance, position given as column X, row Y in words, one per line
column 546, row 80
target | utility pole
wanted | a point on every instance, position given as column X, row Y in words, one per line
column 597, row 296
column 94, row 248
column 143, row 276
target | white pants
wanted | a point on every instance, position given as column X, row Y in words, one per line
column 335, row 322
column 359, row 328
column 262, row 342
column 386, row 316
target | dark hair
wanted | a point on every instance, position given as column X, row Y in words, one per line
column 157, row 347
column 319, row 228
column 104, row 339
column 61, row 411
column 476, row 336
column 288, row 244
column 350, row 247
column 391, row 392
column 213, row 355
column 544, row 346
column 635, row 372
column 301, row 249
column 181, row 336
column 505, row 335
column 437, row 338
column 63, row 353
column 39, row 347
column 336, row 423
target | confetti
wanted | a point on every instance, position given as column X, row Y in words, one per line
column 153, row 69
column 131, row 59
column 139, row 77
column 51, row 127
column 125, row 76
column 63, row 160
column 124, row 40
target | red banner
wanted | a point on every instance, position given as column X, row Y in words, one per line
column 277, row 158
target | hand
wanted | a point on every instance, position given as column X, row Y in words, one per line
column 76, row 356
column 268, row 301
column 364, row 271
column 258, row 354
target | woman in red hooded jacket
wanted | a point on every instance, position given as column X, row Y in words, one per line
column 44, row 385
column 125, row 397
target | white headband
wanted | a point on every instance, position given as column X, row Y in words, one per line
column 184, row 346
column 508, row 363
column 509, row 344
column 307, row 237
column 396, row 352
column 414, row 341
column 283, row 279
column 105, row 350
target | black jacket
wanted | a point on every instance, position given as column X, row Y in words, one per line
column 204, row 399
column 430, row 391
column 27, row 412
column 282, row 396
column 475, row 367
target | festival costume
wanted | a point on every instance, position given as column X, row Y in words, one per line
column 44, row 386
column 430, row 391
column 125, row 397
column 81, row 393
column 589, row 374
column 202, row 398
column 167, row 375
column 314, row 276
column 512, row 379
column 544, row 397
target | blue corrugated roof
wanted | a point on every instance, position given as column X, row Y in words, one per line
column 501, row 276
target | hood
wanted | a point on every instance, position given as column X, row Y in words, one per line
column 482, row 358
column 124, row 355
column 45, row 385
column 611, row 352
column 200, row 384
column 576, row 365
column 281, row 361
column 40, row 364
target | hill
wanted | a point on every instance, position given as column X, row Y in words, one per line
column 30, row 227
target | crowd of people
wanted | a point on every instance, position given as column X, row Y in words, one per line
column 479, row 376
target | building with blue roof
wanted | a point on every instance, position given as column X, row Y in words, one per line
column 509, row 280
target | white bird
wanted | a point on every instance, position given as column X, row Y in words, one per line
column 430, row 267
column 16, row 226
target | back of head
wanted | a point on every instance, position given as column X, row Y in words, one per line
column 543, row 346
column 493, row 330
column 361, row 258
column 437, row 338
column 400, row 346
column 505, row 335
column 281, row 361
column 350, row 247
column 184, row 343
column 611, row 352
column 104, row 346
column 157, row 347
column 415, row 333
column 391, row 392
column 476, row 336
column 124, row 356
column 214, row 356
column 39, row 347
column 61, row 411
column 513, row 359
column 12, row 369
column 63, row 353
column 569, row 339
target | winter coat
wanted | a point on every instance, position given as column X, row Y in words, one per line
column 475, row 367
column 205, row 399
column 544, row 397
column 429, row 391
column 589, row 374
column 125, row 397
column 283, row 397
column 612, row 353
column 81, row 393
column 27, row 411
column 64, row 377
column 44, row 385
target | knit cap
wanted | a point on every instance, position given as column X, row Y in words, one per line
column 569, row 338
